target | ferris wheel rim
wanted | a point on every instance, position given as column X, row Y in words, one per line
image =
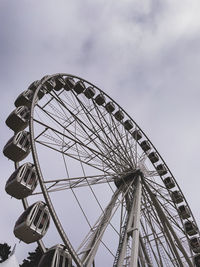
column 35, row 156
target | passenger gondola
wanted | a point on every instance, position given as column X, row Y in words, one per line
column 50, row 84
column 176, row 196
column 32, row 225
column 169, row 182
column 89, row 92
column 145, row 145
column 18, row 147
column 79, row 87
column 110, row 107
column 197, row 260
column 22, row 182
column 18, row 119
column 195, row 244
column 33, row 86
column 136, row 135
column 128, row 125
column 42, row 91
column 69, row 83
column 153, row 157
column 25, row 99
column 57, row 256
column 161, row 169
column 100, row 99
column 119, row 115
column 59, row 83
column 190, row 228
column 184, row 212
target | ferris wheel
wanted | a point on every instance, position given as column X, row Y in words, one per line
column 111, row 196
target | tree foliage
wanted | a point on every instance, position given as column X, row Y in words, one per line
column 4, row 252
column 32, row 259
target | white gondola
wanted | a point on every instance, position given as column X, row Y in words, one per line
column 184, row 212
column 145, row 145
column 153, row 157
column 190, row 228
column 176, row 196
column 161, row 169
column 69, row 83
column 128, row 125
column 119, row 115
column 42, row 91
column 33, row 86
column 32, row 225
column 79, row 87
column 56, row 256
column 136, row 135
column 196, row 261
column 169, row 182
column 89, row 92
column 60, row 83
column 25, row 99
column 18, row 147
column 195, row 244
column 18, row 119
column 110, row 107
column 50, row 84
column 100, row 99
column 22, row 182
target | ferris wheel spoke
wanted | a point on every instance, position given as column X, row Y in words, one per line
column 55, row 109
column 91, row 242
column 146, row 259
column 151, row 173
column 158, row 237
column 104, row 177
column 94, row 166
column 168, row 229
column 58, row 186
column 130, row 147
column 166, row 205
column 161, row 192
column 102, row 118
column 108, row 141
column 161, row 243
column 111, row 148
column 82, row 145
column 89, row 185
column 82, row 125
column 94, row 240
column 75, row 111
column 162, row 237
column 159, row 224
column 93, row 131
column 115, row 127
column 142, row 158
column 154, row 233
column 149, row 243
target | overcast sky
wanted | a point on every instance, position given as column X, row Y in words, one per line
column 145, row 54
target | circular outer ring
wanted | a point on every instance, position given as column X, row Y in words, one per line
column 41, row 180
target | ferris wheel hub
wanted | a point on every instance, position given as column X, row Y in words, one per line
column 128, row 178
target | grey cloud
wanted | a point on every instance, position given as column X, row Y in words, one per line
column 141, row 53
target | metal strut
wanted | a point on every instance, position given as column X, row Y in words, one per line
column 95, row 239
column 131, row 230
column 121, row 242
